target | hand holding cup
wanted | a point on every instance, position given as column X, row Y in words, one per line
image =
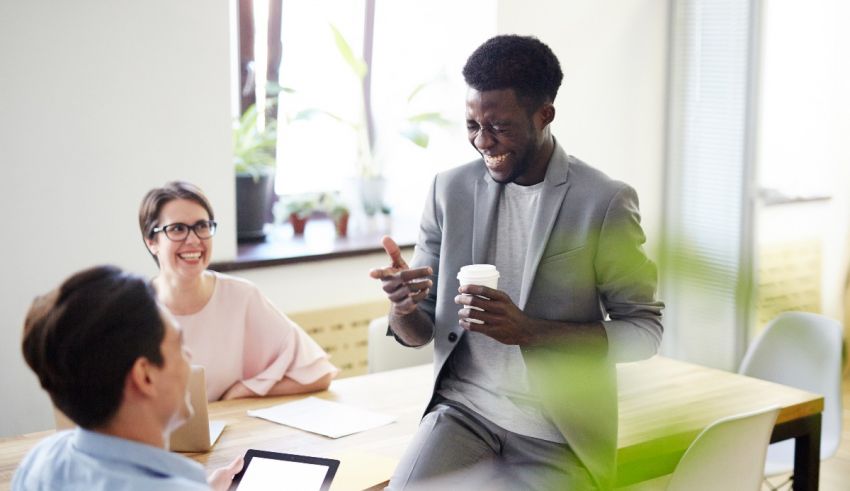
column 482, row 275
column 489, row 311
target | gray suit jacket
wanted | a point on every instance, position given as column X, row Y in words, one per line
column 585, row 263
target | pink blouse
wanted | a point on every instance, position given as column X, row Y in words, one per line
column 240, row 336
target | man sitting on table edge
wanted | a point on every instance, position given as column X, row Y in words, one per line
column 526, row 382
column 113, row 361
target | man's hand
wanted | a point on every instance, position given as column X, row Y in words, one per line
column 404, row 287
column 502, row 319
column 221, row 478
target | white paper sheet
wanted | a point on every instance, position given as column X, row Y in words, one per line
column 216, row 429
column 323, row 417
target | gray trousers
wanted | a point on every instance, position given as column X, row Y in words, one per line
column 454, row 448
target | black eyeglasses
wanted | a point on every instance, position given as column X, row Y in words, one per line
column 178, row 232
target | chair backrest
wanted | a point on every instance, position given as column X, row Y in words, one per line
column 728, row 454
column 803, row 350
column 385, row 353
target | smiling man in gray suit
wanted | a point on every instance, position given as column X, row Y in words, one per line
column 528, row 383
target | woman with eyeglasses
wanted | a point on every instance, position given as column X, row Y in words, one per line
column 247, row 346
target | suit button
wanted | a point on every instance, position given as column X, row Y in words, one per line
column 452, row 337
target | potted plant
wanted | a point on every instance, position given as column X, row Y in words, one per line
column 369, row 183
column 415, row 127
column 337, row 211
column 254, row 146
column 339, row 214
column 297, row 210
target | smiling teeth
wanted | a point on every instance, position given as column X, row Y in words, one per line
column 495, row 159
column 191, row 255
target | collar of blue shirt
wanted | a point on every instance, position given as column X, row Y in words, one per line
column 145, row 458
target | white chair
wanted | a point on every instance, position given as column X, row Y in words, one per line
column 385, row 353
column 802, row 350
column 729, row 454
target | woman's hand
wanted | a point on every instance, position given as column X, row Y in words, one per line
column 287, row 386
column 238, row 391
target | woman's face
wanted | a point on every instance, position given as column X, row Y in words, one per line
column 187, row 258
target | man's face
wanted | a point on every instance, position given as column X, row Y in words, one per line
column 174, row 376
column 507, row 137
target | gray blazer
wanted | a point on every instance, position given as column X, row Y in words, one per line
column 585, row 263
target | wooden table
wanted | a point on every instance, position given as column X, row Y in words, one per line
column 402, row 393
column 663, row 405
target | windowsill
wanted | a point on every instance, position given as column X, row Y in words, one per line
column 319, row 242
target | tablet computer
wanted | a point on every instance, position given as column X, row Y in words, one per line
column 272, row 470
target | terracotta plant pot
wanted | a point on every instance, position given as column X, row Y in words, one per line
column 341, row 225
column 298, row 223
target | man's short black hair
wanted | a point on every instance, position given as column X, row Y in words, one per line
column 83, row 338
column 521, row 63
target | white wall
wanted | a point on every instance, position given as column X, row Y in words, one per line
column 315, row 285
column 101, row 100
column 611, row 105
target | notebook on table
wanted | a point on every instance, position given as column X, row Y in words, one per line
column 198, row 433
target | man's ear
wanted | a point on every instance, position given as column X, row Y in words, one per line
column 140, row 379
column 546, row 114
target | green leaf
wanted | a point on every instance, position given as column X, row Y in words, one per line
column 417, row 136
column 429, row 117
column 253, row 149
column 357, row 65
column 307, row 114
column 273, row 89
column 417, row 90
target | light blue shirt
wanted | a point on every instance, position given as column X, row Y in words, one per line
column 84, row 460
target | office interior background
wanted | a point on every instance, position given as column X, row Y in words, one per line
column 726, row 116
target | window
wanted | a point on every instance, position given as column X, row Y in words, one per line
column 706, row 268
column 321, row 111
column 319, row 153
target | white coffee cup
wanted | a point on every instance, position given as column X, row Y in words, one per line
column 479, row 274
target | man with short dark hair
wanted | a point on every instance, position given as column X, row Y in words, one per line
column 113, row 361
column 524, row 374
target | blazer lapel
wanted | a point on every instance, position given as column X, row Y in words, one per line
column 551, row 198
column 485, row 209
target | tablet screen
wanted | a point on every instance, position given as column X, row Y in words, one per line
column 272, row 471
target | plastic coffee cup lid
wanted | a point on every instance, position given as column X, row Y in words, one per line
column 475, row 271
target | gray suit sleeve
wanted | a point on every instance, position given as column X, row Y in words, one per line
column 627, row 281
column 427, row 251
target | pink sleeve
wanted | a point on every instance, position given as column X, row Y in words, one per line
column 275, row 347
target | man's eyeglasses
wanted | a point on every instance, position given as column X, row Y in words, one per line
column 178, row 232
